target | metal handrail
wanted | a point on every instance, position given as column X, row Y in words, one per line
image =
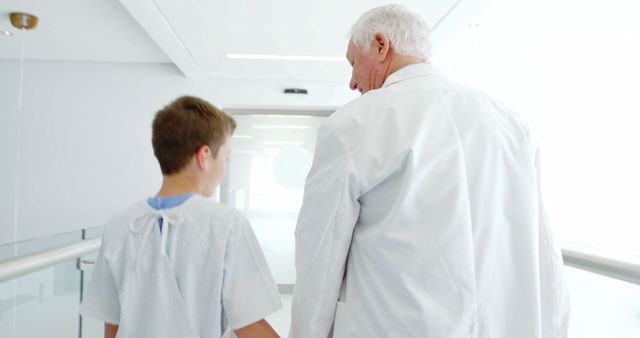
column 615, row 265
column 14, row 268
column 607, row 263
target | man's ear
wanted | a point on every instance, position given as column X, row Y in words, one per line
column 201, row 156
column 381, row 46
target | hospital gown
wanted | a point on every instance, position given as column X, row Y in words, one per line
column 203, row 276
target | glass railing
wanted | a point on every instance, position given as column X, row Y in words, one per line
column 602, row 306
column 44, row 303
column 89, row 327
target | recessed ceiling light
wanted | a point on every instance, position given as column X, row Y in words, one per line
column 287, row 57
column 6, row 33
column 284, row 127
column 281, row 143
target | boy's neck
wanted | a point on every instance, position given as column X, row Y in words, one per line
column 177, row 185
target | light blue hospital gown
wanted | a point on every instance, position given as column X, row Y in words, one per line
column 203, row 275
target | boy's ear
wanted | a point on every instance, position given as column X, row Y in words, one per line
column 201, row 156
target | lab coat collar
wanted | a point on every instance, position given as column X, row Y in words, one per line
column 408, row 72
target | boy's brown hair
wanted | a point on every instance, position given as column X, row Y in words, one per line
column 183, row 126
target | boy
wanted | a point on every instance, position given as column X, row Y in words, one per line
column 179, row 265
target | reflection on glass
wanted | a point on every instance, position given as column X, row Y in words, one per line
column 271, row 156
column 42, row 303
column 602, row 306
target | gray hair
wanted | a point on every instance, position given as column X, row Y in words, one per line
column 406, row 30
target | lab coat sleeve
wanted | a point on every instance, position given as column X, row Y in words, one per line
column 249, row 292
column 325, row 226
column 100, row 298
column 553, row 290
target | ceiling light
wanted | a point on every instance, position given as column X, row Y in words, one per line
column 286, row 57
column 6, row 33
column 288, row 116
column 266, row 126
column 281, row 143
column 23, row 20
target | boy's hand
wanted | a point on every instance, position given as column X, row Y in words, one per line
column 259, row 329
column 110, row 330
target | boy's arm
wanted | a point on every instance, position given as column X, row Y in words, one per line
column 259, row 329
column 110, row 330
column 249, row 292
column 100, row 297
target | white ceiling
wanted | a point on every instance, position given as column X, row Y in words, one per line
column 78, row 30
column 196, row 35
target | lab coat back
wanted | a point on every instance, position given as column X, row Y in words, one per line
column 429, row 222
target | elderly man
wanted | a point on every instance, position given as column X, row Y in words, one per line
column 422, row 214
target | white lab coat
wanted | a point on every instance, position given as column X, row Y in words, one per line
column 204, row 276
column 422, row 217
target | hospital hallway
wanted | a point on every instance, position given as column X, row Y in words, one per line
column 502, row 136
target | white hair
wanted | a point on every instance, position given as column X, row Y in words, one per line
column 406, row 30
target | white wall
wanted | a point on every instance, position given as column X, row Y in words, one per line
column 84, row 136
column 8, row 135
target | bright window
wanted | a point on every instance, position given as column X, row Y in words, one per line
column 571, row 68
column 271, row 156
